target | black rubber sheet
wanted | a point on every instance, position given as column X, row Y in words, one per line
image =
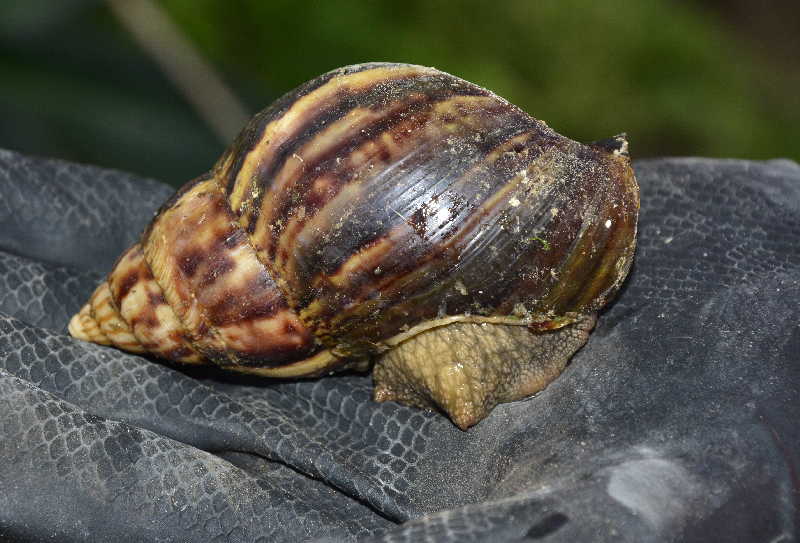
column 679, row 420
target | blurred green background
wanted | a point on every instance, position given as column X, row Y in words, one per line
column 712, row 78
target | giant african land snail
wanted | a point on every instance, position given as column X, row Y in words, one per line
column 383, row 213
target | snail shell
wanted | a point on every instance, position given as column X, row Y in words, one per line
column 389, row 213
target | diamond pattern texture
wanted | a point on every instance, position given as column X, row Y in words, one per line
column 676, row 421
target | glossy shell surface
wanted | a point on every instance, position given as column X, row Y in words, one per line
column 362, row 205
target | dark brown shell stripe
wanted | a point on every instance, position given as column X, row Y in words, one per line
column 306, row 108
column 230, row 164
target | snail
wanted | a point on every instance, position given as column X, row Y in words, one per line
column 384, row 215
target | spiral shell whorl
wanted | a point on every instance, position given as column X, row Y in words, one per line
column 220, row 291
column 193, row 291
column 128, row 311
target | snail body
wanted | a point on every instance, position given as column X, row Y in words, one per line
column 389, row 214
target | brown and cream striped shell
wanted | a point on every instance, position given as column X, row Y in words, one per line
column 371, row 204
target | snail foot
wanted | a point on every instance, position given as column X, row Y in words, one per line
column 466, row 369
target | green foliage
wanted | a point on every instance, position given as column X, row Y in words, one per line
column 679, row 82
column 665, row 72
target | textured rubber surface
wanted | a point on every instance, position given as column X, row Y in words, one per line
column 677, row 421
